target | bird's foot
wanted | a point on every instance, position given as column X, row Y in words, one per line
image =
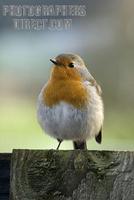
column 60, row 141
column 80, row 145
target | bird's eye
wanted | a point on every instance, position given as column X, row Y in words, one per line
column 71, row 65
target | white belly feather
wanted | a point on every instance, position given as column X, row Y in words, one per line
column 64, row 121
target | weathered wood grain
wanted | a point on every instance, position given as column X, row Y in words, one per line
column 4, row 175
column 72, row 175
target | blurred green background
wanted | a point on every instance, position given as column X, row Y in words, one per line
column 105, row 40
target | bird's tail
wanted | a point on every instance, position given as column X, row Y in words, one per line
column 79, row 144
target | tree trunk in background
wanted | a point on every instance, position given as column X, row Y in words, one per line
column 72, row 175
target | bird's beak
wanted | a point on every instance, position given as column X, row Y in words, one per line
column 54, row 61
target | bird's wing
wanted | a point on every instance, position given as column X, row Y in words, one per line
column 89, row 79
column 94, row 83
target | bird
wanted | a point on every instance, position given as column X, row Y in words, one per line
column 70, row 105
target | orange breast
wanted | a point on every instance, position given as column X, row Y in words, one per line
column 65, row 85
column 71, row 92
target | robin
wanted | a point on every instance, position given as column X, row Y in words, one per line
column 70, row 105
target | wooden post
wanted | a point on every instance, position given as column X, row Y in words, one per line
column 72, row 175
